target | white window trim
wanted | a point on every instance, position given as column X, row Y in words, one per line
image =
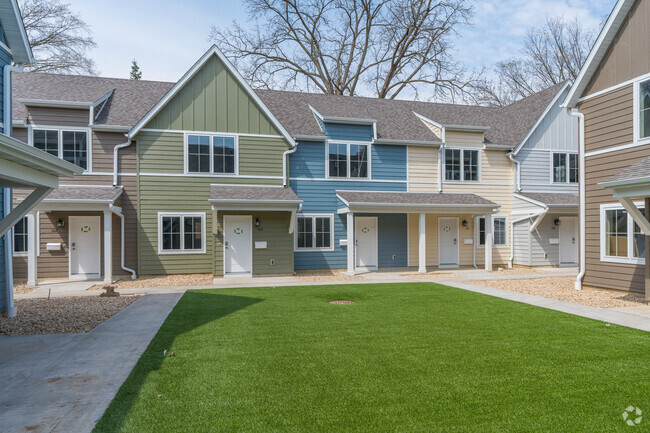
column 477, row 227
column 181, row 215
column 314, row 216
column 347, row 143
column 60, row 129
column 462, row 165
column 630, row 236
column 210, row 135
column 13, row 238
column 636, row 115
column 566, row 182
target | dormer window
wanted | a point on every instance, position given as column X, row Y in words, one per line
column 348, row 160
column 67, row 144
column 461, row 165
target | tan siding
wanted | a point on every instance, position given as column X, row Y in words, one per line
column 629, row 54
column 422, row 167
column 608, row 119
column 459, row 138
column 58, row 116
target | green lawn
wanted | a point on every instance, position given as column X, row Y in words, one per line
column 405, row 358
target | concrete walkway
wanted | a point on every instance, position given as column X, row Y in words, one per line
column 64, row 383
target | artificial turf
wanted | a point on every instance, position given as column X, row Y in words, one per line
column 414, row 357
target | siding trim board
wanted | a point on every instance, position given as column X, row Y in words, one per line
column 184, row 131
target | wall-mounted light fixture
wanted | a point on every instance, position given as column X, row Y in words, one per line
column 60, row 223
column 557, row 222
column 465, row 223
column 257, row 222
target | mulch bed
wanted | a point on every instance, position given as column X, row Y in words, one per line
column 63, row 315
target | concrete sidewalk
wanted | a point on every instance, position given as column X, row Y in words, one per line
column 64, row 383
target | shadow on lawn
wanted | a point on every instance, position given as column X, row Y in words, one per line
column 195, row 309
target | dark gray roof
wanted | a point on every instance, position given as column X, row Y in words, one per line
column 85, row 193
column 412, row 198
column 554, row 199
column 396, row 120
column 252, row 193
column 638, row 170
column 131, row 100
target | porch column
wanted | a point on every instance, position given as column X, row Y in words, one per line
column 422, row 268
column 488, row 242
column 32, row 251
column 647, row 251
column 351, row 243
column 108, row 247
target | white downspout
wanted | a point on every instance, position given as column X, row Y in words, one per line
column 581, row 143
column 9, row 250
column 285, row 157
column 115, row 164
column 7, row 117
column 474, row 243
column 117, row 211
column 517, row 172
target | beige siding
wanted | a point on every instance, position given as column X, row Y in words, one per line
column 629, row 54
column 422, row 168
column 462, row 138
column 465, row 251
column 608, row 119
column 48, row 116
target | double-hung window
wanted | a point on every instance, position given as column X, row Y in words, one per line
column 211, row 154
column 314, row 232
column 348, row 160
column 20, row 237
column 621, row 238
column 181, row 233
column 67, row 144
column 643, row 128
column 462, row 165
column 499, row 231
column 565, row 167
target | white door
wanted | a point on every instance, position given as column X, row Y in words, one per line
column 365, row 229
column 84, row 245
column 238, row 244
column 568, row 240
column 448, row 242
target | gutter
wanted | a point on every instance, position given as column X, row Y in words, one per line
column 581, row 120
column 118, row 211
column 285, row 165
column 115, row 164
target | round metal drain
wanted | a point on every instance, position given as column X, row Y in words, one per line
column 341, row 302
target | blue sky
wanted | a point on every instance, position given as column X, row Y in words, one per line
column 168, row 36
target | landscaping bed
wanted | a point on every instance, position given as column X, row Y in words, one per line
column 63, row 315
column 145, row 281
column 562, row 288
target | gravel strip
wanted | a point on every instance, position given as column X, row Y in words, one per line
column 325, row 275
column 432, row 275
column 21, row 289
column 562, row 288
column 161, row 281
column 63, row 315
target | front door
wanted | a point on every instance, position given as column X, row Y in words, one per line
column 366, row 242
column 448, row 242
column 84, row 246
column 568, row 240
column 238, row 244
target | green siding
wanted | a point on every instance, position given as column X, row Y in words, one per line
column 213, row 100
column 274, row 229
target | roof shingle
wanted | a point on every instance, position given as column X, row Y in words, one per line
column 252, row 193
column 413, row 198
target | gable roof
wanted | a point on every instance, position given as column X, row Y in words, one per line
column 15, row 34
column 607, row 34
column 128, row 100
column 213, row 51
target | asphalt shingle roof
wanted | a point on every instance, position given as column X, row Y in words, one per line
column 85, row 193
column 252, row 193
column 412, row 198
column 554, row 199
column 638, row 170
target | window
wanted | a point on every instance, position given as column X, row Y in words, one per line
column 499, row 231
column 347, row 160
column 565, row 168
column 181, row 233
column 211, row 154
column 621, row 238
column 314, row 232
column 644, row 110
column 462, row 165
column 20, row 237
column 69, row 145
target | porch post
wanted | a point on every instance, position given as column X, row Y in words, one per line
column 32, row 250
column 647, row 250
column 422, row 268
column 488, row 242
column 108, row 247
column 351, row 243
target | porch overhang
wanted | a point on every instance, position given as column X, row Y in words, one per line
column 253, row 198
column 564, row 203
column 81, row 198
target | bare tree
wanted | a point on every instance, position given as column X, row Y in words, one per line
column 60, row 39
column 552, row 54
column 350, row 47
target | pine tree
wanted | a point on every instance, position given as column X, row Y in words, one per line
column 136, row 74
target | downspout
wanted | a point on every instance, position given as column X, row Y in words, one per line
column 440, row 156
column 517, row 172
column 512, row 233
column 474, row 243
column 9, row 250
column 581, row 143
column 115, row 165
column 285, row 157
column 117, row 211
column 6, row 121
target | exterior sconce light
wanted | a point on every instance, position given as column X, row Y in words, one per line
column 465, row 223
column 557, row 222
column 60, row 223
column 257, row 222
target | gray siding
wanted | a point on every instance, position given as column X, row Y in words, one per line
column 535, row 249
column 522, row 243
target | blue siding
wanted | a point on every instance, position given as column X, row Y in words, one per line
column 5, row 59
column 393, row 240
column 3, row 276
column 308, row 161
column 388, row 162
column 337, row 131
